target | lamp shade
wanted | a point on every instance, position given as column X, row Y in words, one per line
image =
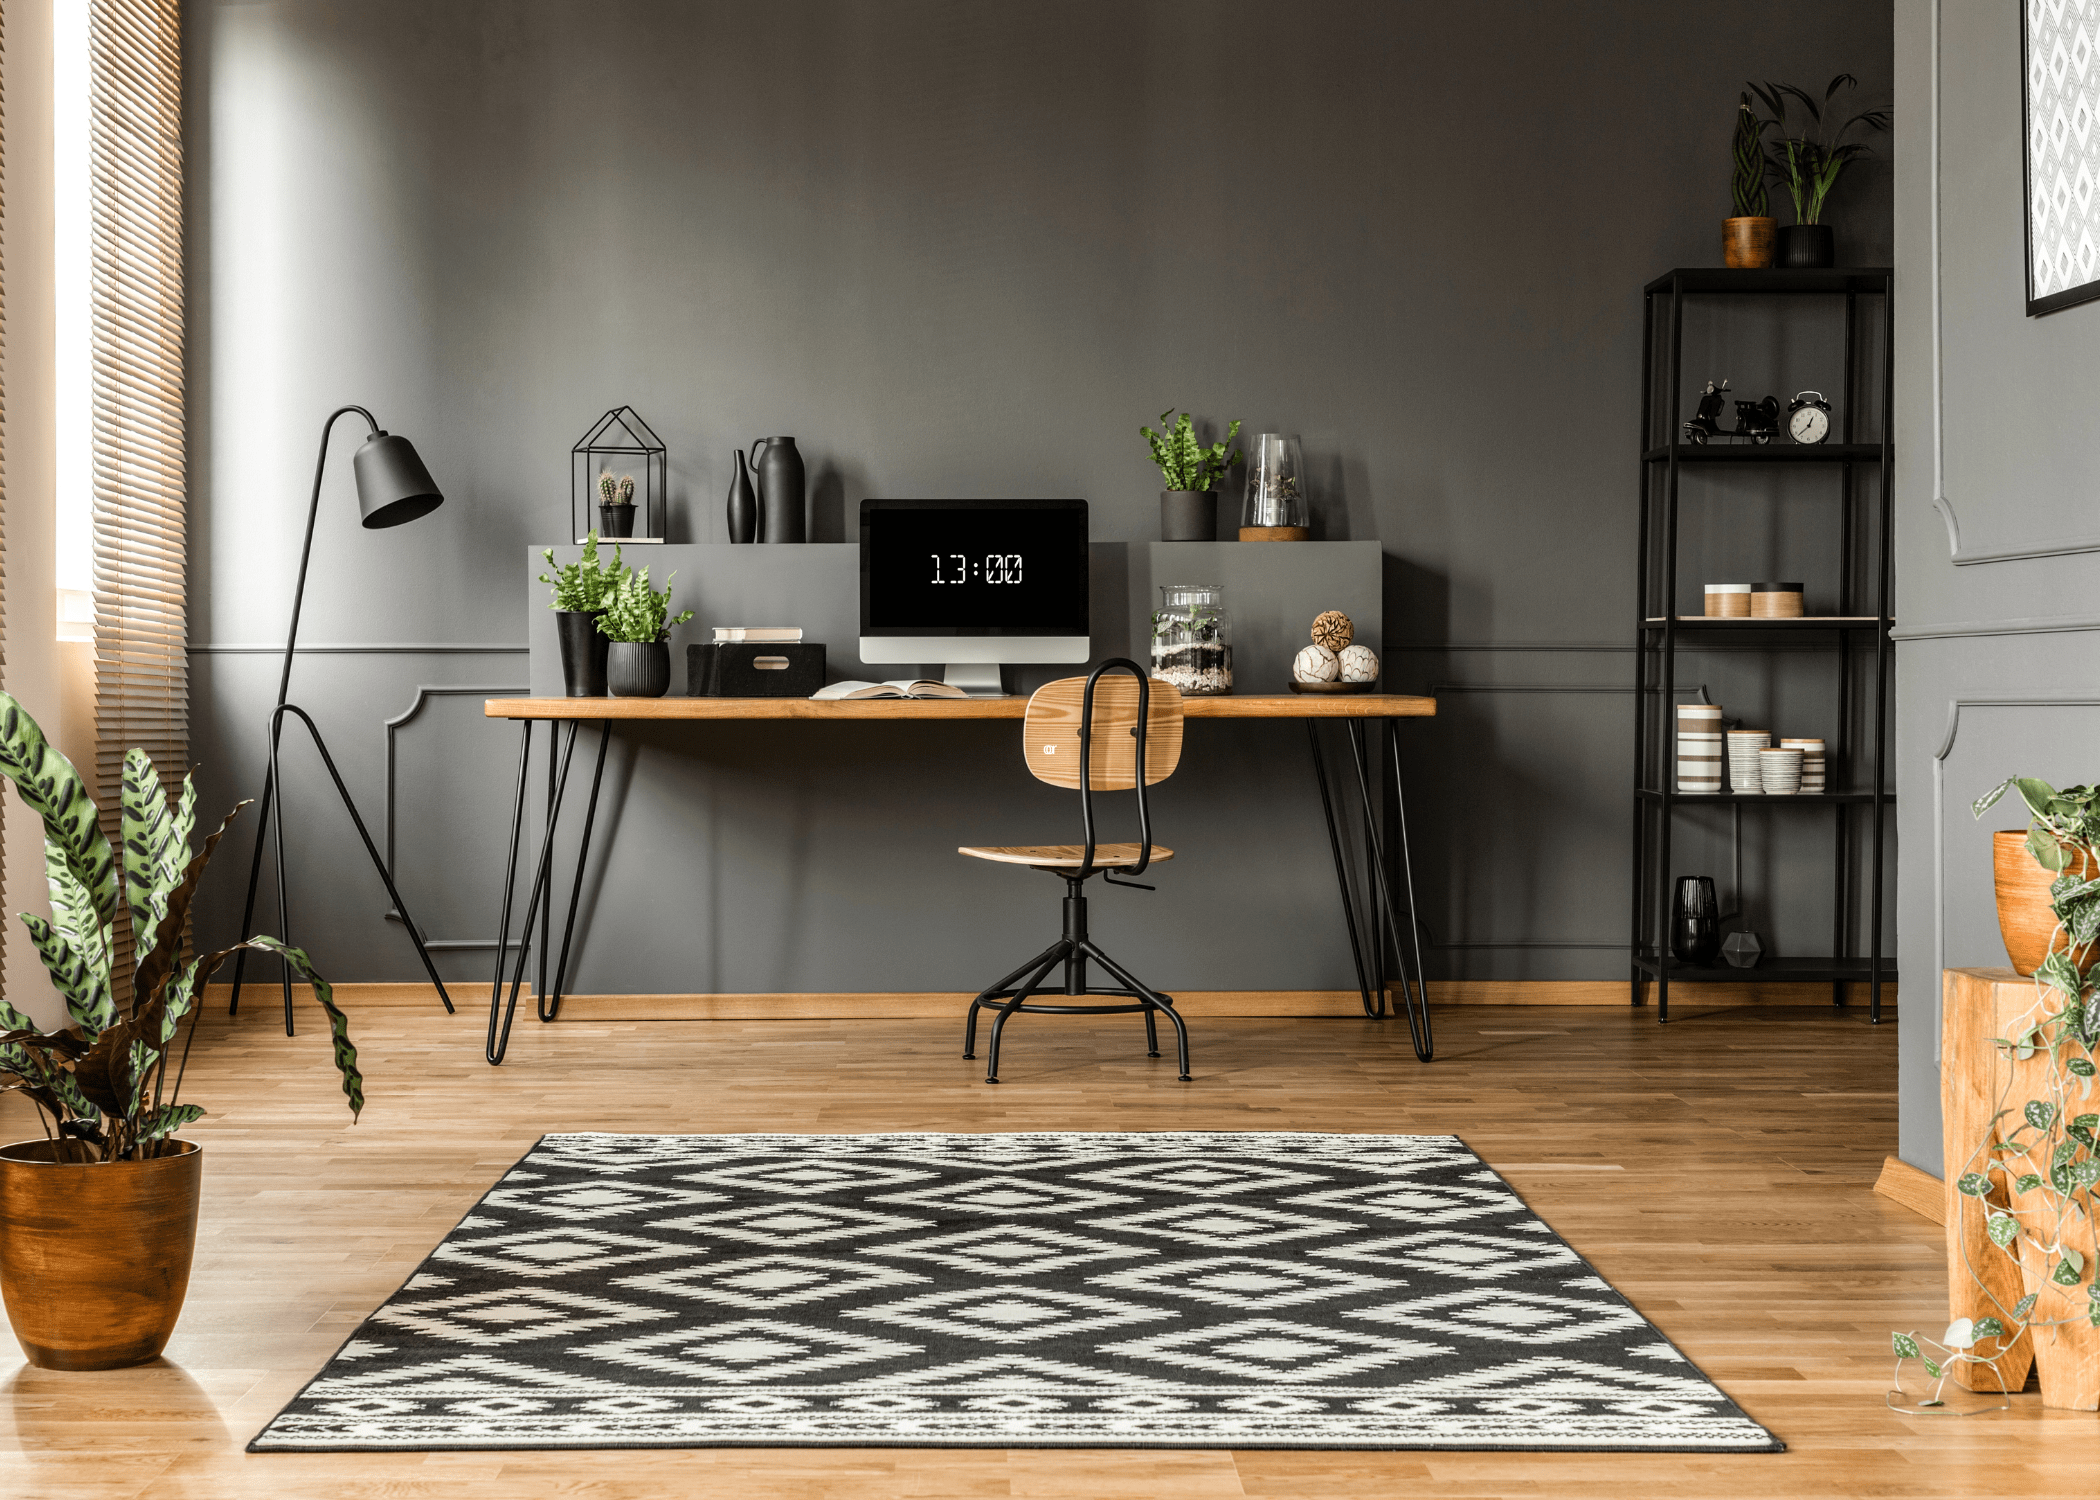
column 393, row 487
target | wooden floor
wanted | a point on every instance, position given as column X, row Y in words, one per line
column 1717, row 1170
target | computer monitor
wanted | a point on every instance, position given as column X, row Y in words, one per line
column 973, row 584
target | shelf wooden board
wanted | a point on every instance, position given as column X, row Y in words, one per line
column 1774, row 970
column 1741, row 622
column 1233, row 706
column 1726, row 451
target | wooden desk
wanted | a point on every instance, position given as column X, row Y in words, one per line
column 1361, row 712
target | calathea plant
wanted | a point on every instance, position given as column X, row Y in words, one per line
column 1185, row 464
column 2043, row 1170
column 636, row 612
column 100, row 1082
column 1809, row 162
column 583, row 586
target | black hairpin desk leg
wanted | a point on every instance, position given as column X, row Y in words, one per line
column 1414, row 988
column 499, row 1012
column 550, row 1000
column 1372, row 1007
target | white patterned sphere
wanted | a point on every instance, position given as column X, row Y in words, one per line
column 1358, row 664
column 1315, row 664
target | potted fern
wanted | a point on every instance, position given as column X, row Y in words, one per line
column 637, row 621
column 1809, row 163
column 98, row 1219
column 1746, row 238
column 580, row 591
column 1188, row 506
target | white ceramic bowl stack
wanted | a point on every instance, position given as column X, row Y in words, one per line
column 1698, row 748
column 1780, row 771
column 1744, row 745
column 1812, row 782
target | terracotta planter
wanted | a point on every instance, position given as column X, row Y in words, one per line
column 1746, row 244
column 2024, row 918
column 95, row 1258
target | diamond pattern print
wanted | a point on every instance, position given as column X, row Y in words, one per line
column 2063, row 145
column 1178, row 1289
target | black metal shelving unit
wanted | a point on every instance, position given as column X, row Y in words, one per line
column 1664, row 460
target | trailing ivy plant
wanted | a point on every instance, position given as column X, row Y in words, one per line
column 1809, row 162
column 636, row 612
column 2034, row 1183
column 1184, row 463
column 583, row 586
column 100, row 1082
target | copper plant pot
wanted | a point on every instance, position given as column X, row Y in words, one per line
column 95, row 1257
column 1746, row 244
column 2024, row 918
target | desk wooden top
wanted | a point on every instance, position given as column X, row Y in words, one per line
column 1240, row 706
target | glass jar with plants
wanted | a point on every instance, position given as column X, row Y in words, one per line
column 580, row 591
column 1276, row 508
column 98, row 1219
column 1188, row 506
column 1192, row 640
column 637, row 620
column 1808, row 162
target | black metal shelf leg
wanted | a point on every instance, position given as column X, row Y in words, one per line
column 1341, row 879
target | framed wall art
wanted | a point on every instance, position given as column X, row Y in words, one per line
column 2060, row 113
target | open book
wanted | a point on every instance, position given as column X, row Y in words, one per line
column 901, row 687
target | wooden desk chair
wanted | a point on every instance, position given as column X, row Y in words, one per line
column 1092, row 734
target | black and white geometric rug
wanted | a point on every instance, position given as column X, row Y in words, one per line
column 1007, row 1291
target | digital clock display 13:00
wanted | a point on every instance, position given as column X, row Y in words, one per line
column 967, row 569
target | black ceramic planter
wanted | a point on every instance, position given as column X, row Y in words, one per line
column 1188, row 515
column 616, row 520
column 582, row 653
column 639, row 669
column 1807, row 247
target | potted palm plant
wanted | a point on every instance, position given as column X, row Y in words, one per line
column 98, row 1219
column 1809, row 163
column 580, row 591
column 1188, row 506
column 637, row 621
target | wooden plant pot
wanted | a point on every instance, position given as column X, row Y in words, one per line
column 95, row 1258
column 2024, row 918
column 1746, row 244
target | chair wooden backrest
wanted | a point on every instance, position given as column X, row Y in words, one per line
column 1050, row 736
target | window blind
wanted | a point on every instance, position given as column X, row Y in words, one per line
column 135, row 281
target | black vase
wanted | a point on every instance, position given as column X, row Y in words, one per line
column 743, row 504
column 1188, row 515
column 582, row 652
column 639, row 669
column 780, row 491
column 1695, row 927
column 1807, row 247
column 616, row 520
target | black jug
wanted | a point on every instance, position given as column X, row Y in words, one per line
column 743, row 504
column 778, row 465
column 1695, row 929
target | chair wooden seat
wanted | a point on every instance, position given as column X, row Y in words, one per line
column 1062, row 856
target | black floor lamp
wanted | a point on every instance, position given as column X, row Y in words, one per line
column 393, row 488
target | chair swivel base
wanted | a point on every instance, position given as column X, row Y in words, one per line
column 1008, row 998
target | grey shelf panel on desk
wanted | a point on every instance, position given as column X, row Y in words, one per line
column 1758, row 799
column 1872, row 280
column 1769, row 453
column 1774, row 971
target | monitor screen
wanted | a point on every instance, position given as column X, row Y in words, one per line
column 973, row 567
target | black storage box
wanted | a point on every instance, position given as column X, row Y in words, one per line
column 754, row 669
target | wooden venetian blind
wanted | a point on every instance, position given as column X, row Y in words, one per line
column 135, row 290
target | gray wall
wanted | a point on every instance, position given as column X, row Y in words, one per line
column 956, row 250
column 1998, row 549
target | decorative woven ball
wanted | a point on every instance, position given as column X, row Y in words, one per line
column 1358, row 664
column 1333, row 630
column 1315, row 664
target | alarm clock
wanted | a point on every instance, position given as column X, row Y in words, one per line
column 1808, row 417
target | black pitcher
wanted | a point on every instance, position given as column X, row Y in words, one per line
column 778, row 465
column 743, row 504
column 1695, row 930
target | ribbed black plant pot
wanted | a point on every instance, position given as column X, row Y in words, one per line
column 616, row 520
column 1807, row 247
column 639, row 669
column 1188, row 515
column 582, row 652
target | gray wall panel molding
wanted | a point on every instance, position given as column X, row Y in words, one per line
column 360, row 648
column 1966, row 629
column 425, row 691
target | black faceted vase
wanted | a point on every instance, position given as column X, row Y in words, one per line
column 639, row 669
column 1695, row 924
column 582, row 652
column 1807, row 247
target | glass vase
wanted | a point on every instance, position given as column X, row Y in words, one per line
column 1275, row 508
column 1192, row 639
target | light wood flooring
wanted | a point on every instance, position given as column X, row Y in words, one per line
column 1718, row 1171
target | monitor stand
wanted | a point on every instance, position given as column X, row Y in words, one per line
column 978, row 679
